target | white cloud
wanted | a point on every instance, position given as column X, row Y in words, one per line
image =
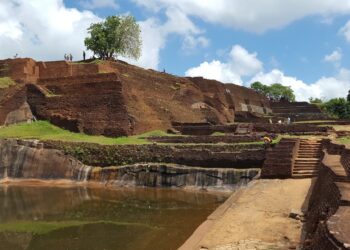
column 335, row 57
column 252, row 15
column 240, row 63
column 99, row 4
column 325, row 87
column 345, row 31
column 192, row 42
column 42, row 30
column 46, row 30
column 155, row 33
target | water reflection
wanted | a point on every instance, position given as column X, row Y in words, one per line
column 86, row 218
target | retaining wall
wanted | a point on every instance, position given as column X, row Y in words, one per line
column 329, row 212
column 214, row 156
column 279, row 160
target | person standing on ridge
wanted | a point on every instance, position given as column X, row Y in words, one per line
column 84, row 55
column 70, row 57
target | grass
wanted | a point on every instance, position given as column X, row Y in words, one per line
column 96, row 61
column 43, row 130
column 344, row 140
column 6, row 82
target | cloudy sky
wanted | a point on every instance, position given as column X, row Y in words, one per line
column 302, row 44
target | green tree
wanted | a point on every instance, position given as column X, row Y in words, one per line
column 337, row 107
column 315, row 100
column 275, row 92
column 260, row 88
column 117, row 35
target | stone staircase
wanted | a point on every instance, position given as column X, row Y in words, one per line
column 308, row 159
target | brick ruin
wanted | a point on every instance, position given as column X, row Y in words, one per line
column 115, row 98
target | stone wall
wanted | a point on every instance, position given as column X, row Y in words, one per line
column 279, row 159
column 207, row 129
column 298, row 111
column 209, row 139
column 210, row 156
column 328, row 213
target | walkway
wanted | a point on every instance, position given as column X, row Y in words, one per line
column 256, row 217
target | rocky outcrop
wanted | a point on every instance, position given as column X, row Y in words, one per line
column 29, row 160
column 32, row 160
column 169, row 175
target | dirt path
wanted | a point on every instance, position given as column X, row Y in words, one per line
column 256, row 217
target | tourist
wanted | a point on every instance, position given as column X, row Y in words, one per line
column 267, row 141
column 65, row 57
column 70, row 57
column 84, row 55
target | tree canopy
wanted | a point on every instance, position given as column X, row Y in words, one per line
column 117, row 35
column 275, row 92
column 337, row 107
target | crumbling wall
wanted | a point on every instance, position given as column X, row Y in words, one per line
column 13, row 106
column 298, row 111
column 279, row 160
column 329, row 205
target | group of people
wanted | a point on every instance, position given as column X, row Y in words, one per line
column 68, row 57
column 287, row 121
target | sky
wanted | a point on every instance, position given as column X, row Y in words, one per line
column 298, row 43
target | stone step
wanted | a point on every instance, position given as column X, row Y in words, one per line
column 307, row 159
column 305, row 172
column 317, row 155
column 296, row 168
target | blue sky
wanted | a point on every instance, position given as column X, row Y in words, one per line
column 300, row 44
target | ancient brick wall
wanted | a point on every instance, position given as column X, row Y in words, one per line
column 20, row 70
column 203, row 129
column 328, row 210
column 279, row 160
column 91, row 104
column 345, row 160
column 13, row 99
column 237, row 98
column 292, row 128
column 208, row 139
column 298, row 111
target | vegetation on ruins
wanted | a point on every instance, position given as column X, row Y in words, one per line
column 275, row 92
column 6, row 82
column 315, row 100
column 117, row 35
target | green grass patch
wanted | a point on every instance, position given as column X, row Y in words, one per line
column 6, row 82
column 218, row 134
column 344, row 140
column 43, row 130
column 96, row 61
